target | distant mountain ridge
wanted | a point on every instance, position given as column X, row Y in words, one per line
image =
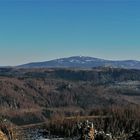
column 83, row 62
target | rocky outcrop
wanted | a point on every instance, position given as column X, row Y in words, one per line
column 3, row 136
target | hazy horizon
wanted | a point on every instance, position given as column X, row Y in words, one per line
column 41, row 30
column 67, row 57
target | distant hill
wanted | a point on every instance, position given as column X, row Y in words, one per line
column 83, row 62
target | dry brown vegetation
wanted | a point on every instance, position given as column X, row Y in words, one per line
column 120, row 122
column 36, row 95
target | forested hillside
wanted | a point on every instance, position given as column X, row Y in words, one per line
column 41, row 93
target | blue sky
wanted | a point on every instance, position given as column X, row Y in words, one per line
column 40, row 30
